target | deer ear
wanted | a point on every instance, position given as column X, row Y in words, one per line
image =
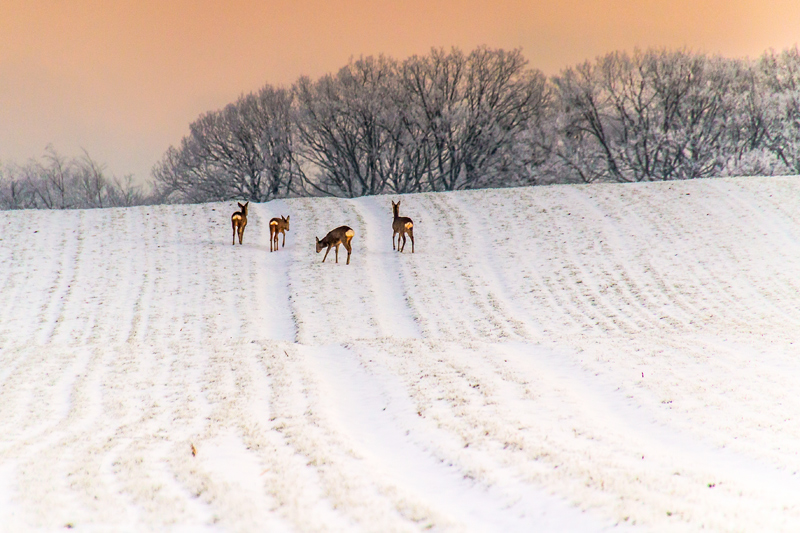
column 287, row 218
column 240, row 205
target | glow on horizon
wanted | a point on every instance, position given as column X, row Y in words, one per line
column 124, row 79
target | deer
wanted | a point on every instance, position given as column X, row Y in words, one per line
column 239, row 221
column 277, row 225
column 341, row 235
column 401, row 226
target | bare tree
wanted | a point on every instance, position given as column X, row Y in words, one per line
column 244, row 151
column 655, row 115
column 436, row 116
column 52, row 187
column 56, row 182
column 350, row 130
column 504, row 99
column 778, row 115
column 465, row 113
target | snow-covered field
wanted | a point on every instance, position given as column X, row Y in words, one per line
column 560, row 358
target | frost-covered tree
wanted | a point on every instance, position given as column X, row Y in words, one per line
column 436, row 114
column 58, row 182
column 506, row 102
column 449, row 120
column 778, row 75
column 350, row 128
column 748, row 137
column 466, row 111
column 654, row 115
column 245, row 151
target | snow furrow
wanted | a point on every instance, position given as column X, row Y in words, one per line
column 386, row 284
column 551, row 358
column 378, row 419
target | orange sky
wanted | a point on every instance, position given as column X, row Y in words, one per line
column 124, row 78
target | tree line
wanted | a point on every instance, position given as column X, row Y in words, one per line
column 450, row 121
column 440, row 122
column 58, row 182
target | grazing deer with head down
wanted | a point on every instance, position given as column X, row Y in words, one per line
column 341, row 235
column 277, row 225
column 400, row 227
column 239, row 221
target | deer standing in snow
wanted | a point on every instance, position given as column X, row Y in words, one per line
column 277, row 225
column 341, row 235
column 239, row 221
column 401, row 226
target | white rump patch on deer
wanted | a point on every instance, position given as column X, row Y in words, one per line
column 409, row 225
column 273, row 223
column 349, row 233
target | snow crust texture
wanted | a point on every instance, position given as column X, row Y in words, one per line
column 568, row 358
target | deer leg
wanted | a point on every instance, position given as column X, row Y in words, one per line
column 241, row 234
column 393, row 234
column 284, row 240
column 404, row 243
column 337, row 253
column 349, row 249
column 411, row 234
column 326, row 253
column 234, row 234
